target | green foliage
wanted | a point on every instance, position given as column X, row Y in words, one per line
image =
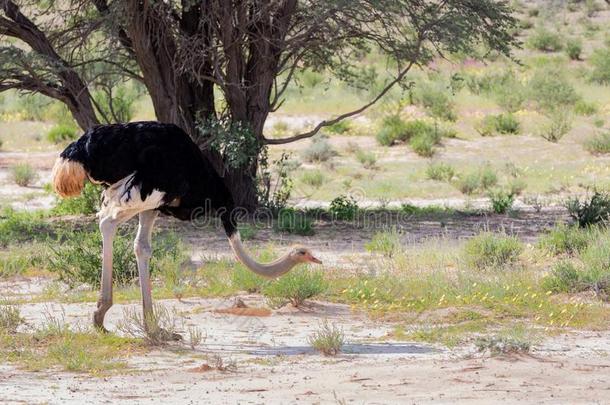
column 545, row 40
column 246, row 280
column 367, row 159
column 272, row 194
column 564, row 277
column 393, row 129
column 295, row 287
column 328, row 339
column 76, row 257
column 550, row 89
column 234, row 140
column 558, row 125
column 343, row 208
column 492, row 250
column 319, row 150
column 440, row 171
column 585, row 108
column 10, row 318
column 436, row 99
column 313, row 178
column 599, row 143
column 117, row 103
column 574, row 48
column 423, row 144
column 469, row 183
column 88, row 202
column 21, row 226
column 566, row 239
column 488, row 177
column 499, row 124
column 386, row 242
column 592, row 212
column 501, row 201
column 600, row 63
column 497, row 345
column 503, row 87
column 23, row 174
column 62, row 133
column 294, row 221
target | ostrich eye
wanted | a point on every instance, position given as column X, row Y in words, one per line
column 301, row 252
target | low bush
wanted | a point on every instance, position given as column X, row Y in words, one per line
column 21, row 226
column 294, row 221
column 10, row 318
column 585, row 108
column 440, row 171
column 574, row 48
column 558, row 125
column 600, row 63
column 499, row 124
column 328, row 339
column 88, row 202
column 313, row 178
column 295, row 287
column 492, row 250
column 436, row 99
column 424, row 144
column 340, row 127
column 367, row 159
column 551, row 90
column 319, row 150
column 564, row 277
column 598, row 143
column 386, row 242
column 488, row 176
column 469, row 183
column 565, row 239
column 594, row 211
column 545, row 40
column 393, row 129
column 501, row 201
column 343, row 208
column 23, row 174
column 497, row 345
column 76, row 258
column 62, row 133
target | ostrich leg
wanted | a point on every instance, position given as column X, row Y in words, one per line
column 108, row 227
column 143, row 253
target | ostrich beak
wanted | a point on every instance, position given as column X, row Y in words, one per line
column 315, row 260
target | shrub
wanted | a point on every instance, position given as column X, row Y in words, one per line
column 23, row 174
column 585, row 108
column 156, row 329
column 440, row 171
column 491, row 250
column 21, row 226
column 313, row 178
column 366, row 159
column 295, row 287
column 469, row 183
column 392, row 129
column 328, row 339
column 319, row 150
column 545, row 40
column 343, row 208
column 558, row 125
column 564, row 277
column 598, row 143
column 294, row 221
column 10, row 318
column 501, row 201
column 565, row 239
column 592, row 212
column 88, row 202
column 435, row 98
column 423, row 145
column 76, row 257
column 551, row 90
column 501, row 123
column 488, row 177
column 61, row 133
column 574, row 48
column 502, row 345
column 386, row 242
column 600, row 62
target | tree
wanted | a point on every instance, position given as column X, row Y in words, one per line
column 217, row 68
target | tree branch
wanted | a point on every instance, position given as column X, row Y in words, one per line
column 341, row 117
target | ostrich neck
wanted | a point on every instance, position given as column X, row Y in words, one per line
column 269, row 270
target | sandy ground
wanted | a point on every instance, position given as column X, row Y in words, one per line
column 274, row 364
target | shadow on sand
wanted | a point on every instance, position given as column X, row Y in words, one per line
column 372, row 348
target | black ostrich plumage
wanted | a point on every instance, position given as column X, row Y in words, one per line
column 160, row 156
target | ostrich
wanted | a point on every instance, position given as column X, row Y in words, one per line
column 147, row 168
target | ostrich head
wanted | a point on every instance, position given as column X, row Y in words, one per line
column 301, row 254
